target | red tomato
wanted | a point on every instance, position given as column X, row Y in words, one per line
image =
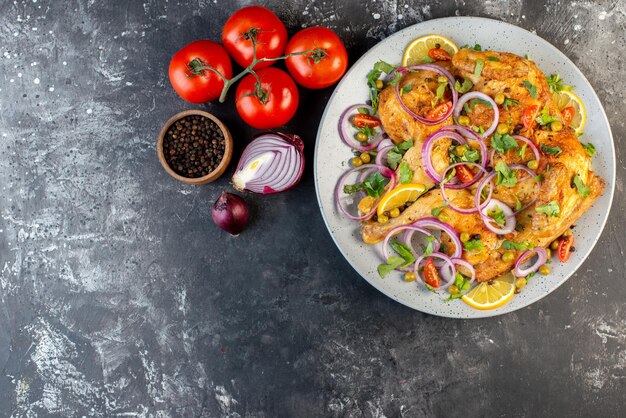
column 273, row 105
column 431, row 275
column 565, row 247
column 199, row 85
column 259, row 23
column 568, row 114
column 318, row 69
column 438, row 111
column 464, row 174
column 528, row 118
column 362, row 120
column 439, row 54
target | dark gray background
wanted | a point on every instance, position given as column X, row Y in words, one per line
column 119, row 297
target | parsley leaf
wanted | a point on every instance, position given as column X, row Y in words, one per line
column 426, row 60
column 430, row 248
column 406, row 175
column 474, row 102
column 522, row 151
column 403, row 251
column 509, row 102
column 521, row 246
column 379, row 68
column 503, row 143
column 392, row 263
column 465, row 87
column 364, row 110
column 440, row 91
column 477, row 47
column 406, row 89
column 590, row 149
column 545, row 118
column 497, row 215
column 550, row 150
column 556, row 84
column 475, row 246
column 437, row 211
column 583, row 189
column 394, row 156
column 505, row 176
column 532, row 90
column 470, row 155
column 496, row 59
column 374, row 186
column 550, row 209
column 478, row 68
column 462, row 284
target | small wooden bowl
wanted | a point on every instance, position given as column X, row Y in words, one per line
column 228, row 148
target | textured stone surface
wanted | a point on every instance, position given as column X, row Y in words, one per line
column 118, row 296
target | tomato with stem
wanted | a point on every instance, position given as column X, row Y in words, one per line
column 324, row 64
column 254, row 32
column 267, row 98
column 199, row 71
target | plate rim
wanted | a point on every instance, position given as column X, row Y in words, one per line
column 488, row 313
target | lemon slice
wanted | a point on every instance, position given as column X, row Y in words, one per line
column 399, row 196
column 565, row 99
column 491, row 295
column 417, row 52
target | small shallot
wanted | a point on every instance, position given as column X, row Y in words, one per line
column 230, row 212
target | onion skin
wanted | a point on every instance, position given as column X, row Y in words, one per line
column 230, row 213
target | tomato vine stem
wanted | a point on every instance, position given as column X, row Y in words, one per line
column 197, row 67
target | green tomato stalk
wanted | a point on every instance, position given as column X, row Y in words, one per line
column 197, row 67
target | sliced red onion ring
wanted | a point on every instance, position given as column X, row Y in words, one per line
column 426, row 67
column 427, row 148
column 471, row 136
column 432, row 222
column 542, row 257
column 396, row 231
column 381, row 156
column 447, row 260
column 385, row 171
column 384, row 143
column 509, row 220
column 532, row 175
column 443, row 185
column 271, row 163
column 344, row 124
column 478, row 95
column 480, row 188
column 533, row 147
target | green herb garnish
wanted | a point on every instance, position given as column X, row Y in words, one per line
column 497, row 215
column 392, row 263
column 394, row 156
column 404, row 259
column 475, row 246
column 520, row 246
column 509, row 102
column 364, row 110
column 406, row 175
column 583, row 189
column 550, row 150
column 532, row 90
column 462, row 283
column 478, row 69
column 590, row 149
column 556, row 84
column 379, row 68
column 505, row 176
column 374, row 186
column 465, row 87
column 550, row 209
column 437, row 211
column 503, row 143
column 545, row 118
column 522, row 151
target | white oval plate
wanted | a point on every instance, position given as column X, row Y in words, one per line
column 331, row 156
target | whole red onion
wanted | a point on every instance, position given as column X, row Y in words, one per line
column 230, row 212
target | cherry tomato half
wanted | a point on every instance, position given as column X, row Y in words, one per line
column 259, row 23
column 318, row 69
column 565, row 247
column 438, row 111
column 439, row 54
column 431, row 275
column 568, row 115
column 528, row 118
column 464, row 174
column 362, row 120
column 199, row 85
column 269, row 105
